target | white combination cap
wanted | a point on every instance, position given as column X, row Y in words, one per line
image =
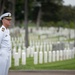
column 6, row 15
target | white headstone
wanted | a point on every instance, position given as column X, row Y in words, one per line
column 19, row 52
column 61, row 55
column 28, row 51
column 23, row 58
column 40, row 57
column 14, row 51
column 35, row 58
column 45, row 56
column 57, row 55
column 53, row 56
column 41, row 47
column 50, row 56
column 16, row 59
column 32, row 51
column 10, row 64
column 65, row 56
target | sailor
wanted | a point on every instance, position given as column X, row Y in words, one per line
column 5, row 43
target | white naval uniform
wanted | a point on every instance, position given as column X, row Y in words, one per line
column 5, row 50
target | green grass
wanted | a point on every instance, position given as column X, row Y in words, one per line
column 59, row 65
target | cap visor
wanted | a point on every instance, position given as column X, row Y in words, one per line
column 8, row 18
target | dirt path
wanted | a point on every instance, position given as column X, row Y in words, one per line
column 51, row 72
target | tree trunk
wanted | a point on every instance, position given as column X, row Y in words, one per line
column 2, row 4
column 26, row 24
column 13, row 13
column 38, row 18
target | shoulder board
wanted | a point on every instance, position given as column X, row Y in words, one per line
column 3, row 29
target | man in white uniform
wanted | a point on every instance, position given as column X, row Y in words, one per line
column 5, row 43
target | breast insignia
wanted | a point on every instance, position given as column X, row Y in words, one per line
column 6, row 35
column 3, row 29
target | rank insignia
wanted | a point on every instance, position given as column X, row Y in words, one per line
column 3, row 29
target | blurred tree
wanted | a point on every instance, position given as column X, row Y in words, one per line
column 26, row 24
column 46, row 10
column 2, row 6
column 39, row 11
column 19, row 10
column 8, row 6
column 13, row 12
column 37, row 5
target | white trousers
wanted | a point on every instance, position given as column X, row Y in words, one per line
column 4, row 62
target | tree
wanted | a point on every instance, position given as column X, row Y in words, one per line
column 2, row 6
column 47, row 12
column 39, row 14
column 26, row 24
column 8, row 6
column 13, row 12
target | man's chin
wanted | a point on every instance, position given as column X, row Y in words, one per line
column 9, row 26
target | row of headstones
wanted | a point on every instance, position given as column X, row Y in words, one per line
column 32, row 43
column 55, row 32
column 19, row 39
column 44, row 56
column 33, row 36
column 53, row 56
column 42, row 47
column 22, row 37
column 52, row 30
column 31, row 49
column 36, row 47
column 43, row 28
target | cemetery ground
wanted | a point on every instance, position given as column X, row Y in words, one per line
column 66, row 67
column 58, row 65
column 51, row 72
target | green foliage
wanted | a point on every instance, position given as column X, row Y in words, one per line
column 58, row 24
column 19, row 10
column 54, row 13
column 72, row 25
column 63, row 24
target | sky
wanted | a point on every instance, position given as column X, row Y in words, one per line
column 69, row 2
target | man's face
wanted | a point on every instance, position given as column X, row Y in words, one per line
column 6, row 22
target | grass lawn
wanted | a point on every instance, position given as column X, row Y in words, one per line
column 58, row 65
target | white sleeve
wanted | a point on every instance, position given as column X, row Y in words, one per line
column 1, row 35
